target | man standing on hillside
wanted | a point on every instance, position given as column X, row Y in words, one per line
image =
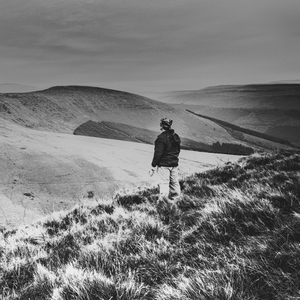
column 165, row 159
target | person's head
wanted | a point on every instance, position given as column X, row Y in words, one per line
column 165, row 124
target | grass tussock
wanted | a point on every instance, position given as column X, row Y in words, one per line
column 234, row 234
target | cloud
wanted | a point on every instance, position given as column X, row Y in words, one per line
column 121, row 28
column 150, row 40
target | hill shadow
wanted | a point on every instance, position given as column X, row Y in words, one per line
column 118, row 131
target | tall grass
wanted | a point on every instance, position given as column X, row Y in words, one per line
column 234, row 234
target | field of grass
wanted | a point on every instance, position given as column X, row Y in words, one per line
column 235, row 234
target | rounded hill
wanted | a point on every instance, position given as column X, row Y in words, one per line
column 64, row 108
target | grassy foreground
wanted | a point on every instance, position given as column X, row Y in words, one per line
column 235, row 234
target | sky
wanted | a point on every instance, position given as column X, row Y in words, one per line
column 152, row 46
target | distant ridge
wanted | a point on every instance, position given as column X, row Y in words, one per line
column 278, row 95
column 83, row 88
column 16, row 88
column 272, row 109
column 297, row 81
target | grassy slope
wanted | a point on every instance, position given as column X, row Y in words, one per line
column 234, row 235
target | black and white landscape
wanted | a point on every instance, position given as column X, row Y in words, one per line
column 83, row 87
column 57, row 145
column 61, row 144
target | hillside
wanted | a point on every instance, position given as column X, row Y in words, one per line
column 272, row 109
column 124, row 132
column 240, row 130
column 43, row 172
column 233, row 235
column 63, row 109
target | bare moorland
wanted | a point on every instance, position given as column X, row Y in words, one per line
column 272, row 109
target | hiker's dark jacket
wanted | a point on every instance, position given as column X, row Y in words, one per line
column 167, row 148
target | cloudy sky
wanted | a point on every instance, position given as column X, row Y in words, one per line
column 147, row 46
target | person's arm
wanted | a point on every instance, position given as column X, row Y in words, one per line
column 158, row 152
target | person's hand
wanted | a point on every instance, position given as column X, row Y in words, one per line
column 151, row 172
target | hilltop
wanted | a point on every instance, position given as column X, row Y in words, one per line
column 233, row 235
column 273, row 109
column 63, row 108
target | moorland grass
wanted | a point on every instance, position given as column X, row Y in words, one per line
column 235, row 234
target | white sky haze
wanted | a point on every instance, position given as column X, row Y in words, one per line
column 147, row 46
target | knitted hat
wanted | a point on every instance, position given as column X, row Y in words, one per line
column 166, row 123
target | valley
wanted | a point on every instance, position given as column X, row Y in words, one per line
column 272, row 109
column 71, row 145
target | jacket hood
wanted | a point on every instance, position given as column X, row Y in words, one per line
column 173, row 136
